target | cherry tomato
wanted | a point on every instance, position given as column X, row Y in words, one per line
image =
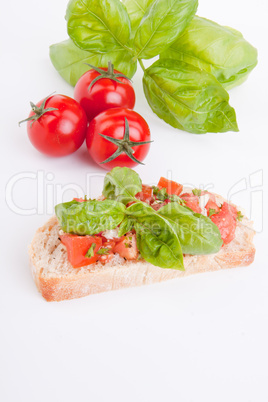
column 101, row 89
column 57, row 125
column 111, row 138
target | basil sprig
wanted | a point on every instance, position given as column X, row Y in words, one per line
column 162, row 236
column 207, row 56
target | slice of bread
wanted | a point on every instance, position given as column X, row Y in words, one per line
column 57, row 280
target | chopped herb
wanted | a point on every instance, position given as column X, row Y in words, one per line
column 103, row 251
column 211, row 212
column 155, row 190
column 197, row 192
column 239, row 216
column 127, row 245
column 90, row 251
column 175, row 197
column 162, row 195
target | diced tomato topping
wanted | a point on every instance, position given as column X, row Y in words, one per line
column 192, row 202
column 171, row 186
column 107, row 248
column 232, row 209
column 79, row 199
column 211, row 205
column 226, row 222
column 146, row 195
column 212, row 197
column 109, row 244
column 127, row 248
column 77, row 247
column 104, row 258
column 158, row 205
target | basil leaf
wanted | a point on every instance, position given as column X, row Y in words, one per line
column 125, row 226
column 157, row 240
column 89, row 217
column 121, row 184
column 220, row 50
column 98, row 25
column 163, row 21
column 188, row 98
column 197, row 233
column 136, row 10
column 70, row 61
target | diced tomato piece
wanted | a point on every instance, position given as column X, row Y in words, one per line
column 77, row 247
column 109, row 244
column 79, row 199
column 146, row 195
column 172, row 187
column 107, row 248
column 225, row 222
column 127, row 248
column 232, row 209
column 212, row 197
column 212, row 205
column 192, row 202
column 158, row 205
column 104, row 258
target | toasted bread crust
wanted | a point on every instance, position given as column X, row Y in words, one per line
column 69, row 283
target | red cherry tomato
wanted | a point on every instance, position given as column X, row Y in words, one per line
column 57, row 125
column 113, row 124
column 109, row 91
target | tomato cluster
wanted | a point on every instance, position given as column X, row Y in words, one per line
column 101, row 249
column 101, row 112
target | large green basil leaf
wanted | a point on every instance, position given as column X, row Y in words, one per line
column 136, row 10
column 70, row 61
column 157, row 240
column 89, row 217
column 220, row 50
column 163, row 21
column 188, row 98
column 121, row 184
column 98, row 25
column 197, row 233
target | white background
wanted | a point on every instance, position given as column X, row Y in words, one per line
column 198, row 339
